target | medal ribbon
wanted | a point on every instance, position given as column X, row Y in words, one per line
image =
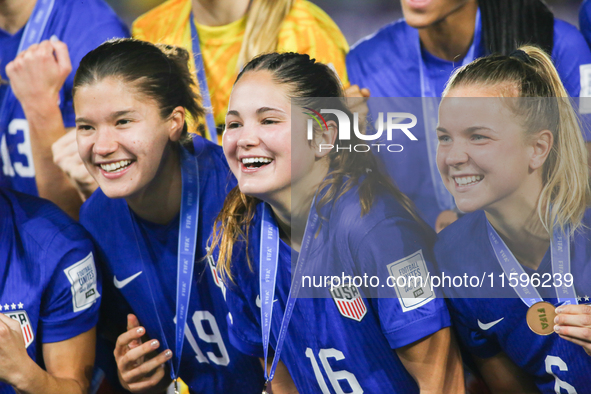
column 269, row 258
column 188, row 223
column 32, row 35
column 560, row 254
column 211, row 132
column 189, row 219
column 430, row 107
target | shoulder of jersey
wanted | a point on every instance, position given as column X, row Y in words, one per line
column 39, row 218
column 567, row 35
column 392, row 38
column 345, row 214
column 458, row 236
column 99, row 209
column 151, row 27
column 97, row 10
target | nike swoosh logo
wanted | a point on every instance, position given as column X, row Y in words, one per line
column 125, row 282
column 488, row 326
column 258, row 301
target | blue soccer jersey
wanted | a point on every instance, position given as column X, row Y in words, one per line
column 139, row 259
column 82, row 25
column 343, row 341
column 585, row 20
column 387, row 63
column 48, row 279
column 487, row 327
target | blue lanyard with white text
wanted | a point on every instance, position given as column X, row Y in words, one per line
column 269, row 258
column 560, row 254
column 430, row 108
column 32, row 35
column 189, row 220
column 211, row 132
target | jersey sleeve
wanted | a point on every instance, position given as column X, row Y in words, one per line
column 244, row 328
column 78, row 48
column 395, row 250
column 71, row 299
column 572, row 58
column 307, row 29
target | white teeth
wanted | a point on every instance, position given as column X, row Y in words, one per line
column 116, row 167
column 248, row 160
column 468, row 180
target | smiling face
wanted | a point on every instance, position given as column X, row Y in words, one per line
column 122, row 138
column 483, row 154
column 423, row 13
column 258, row 140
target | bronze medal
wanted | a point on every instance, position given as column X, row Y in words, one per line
column 540, row 318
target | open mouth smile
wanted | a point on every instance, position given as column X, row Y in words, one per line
column 467, row 180
column 253, row 163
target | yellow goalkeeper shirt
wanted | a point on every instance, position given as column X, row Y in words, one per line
column 306, row 29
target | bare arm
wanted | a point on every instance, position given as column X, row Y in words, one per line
column 435, row 363
column 502, row 376
column 36, row 77
column 68, row 363
column 282, row 383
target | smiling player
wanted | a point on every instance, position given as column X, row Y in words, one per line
column 378, row 345
column 518, row 164
column 159, row 194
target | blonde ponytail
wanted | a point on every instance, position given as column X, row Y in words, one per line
column 565, row 193
column 263, row 24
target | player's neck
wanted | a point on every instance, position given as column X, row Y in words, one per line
column 14, row 14
column 160, row 201
column 521, row 229
column 219, row 12
column 451, row 37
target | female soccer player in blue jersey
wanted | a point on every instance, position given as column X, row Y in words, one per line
column 415, row 56
column 50, row 293
column 159, row 194
column 515, row 159
column 343, row 340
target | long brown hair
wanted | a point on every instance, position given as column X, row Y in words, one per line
column 309, row 84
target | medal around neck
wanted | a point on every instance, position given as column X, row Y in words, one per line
column 540, row 318
column 540, row 315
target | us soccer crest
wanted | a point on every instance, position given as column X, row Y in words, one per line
column 349, row 301
column 22, row 317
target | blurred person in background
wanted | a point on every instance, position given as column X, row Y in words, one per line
column 414, row 57
column 223, row 35
column 585, row 20
column 41, row 44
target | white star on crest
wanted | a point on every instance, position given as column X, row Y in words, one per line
column 13, row 306
column 20, row 305
column 579, row 298
column 0, row 307
column 6, row 307
column 586, row 298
